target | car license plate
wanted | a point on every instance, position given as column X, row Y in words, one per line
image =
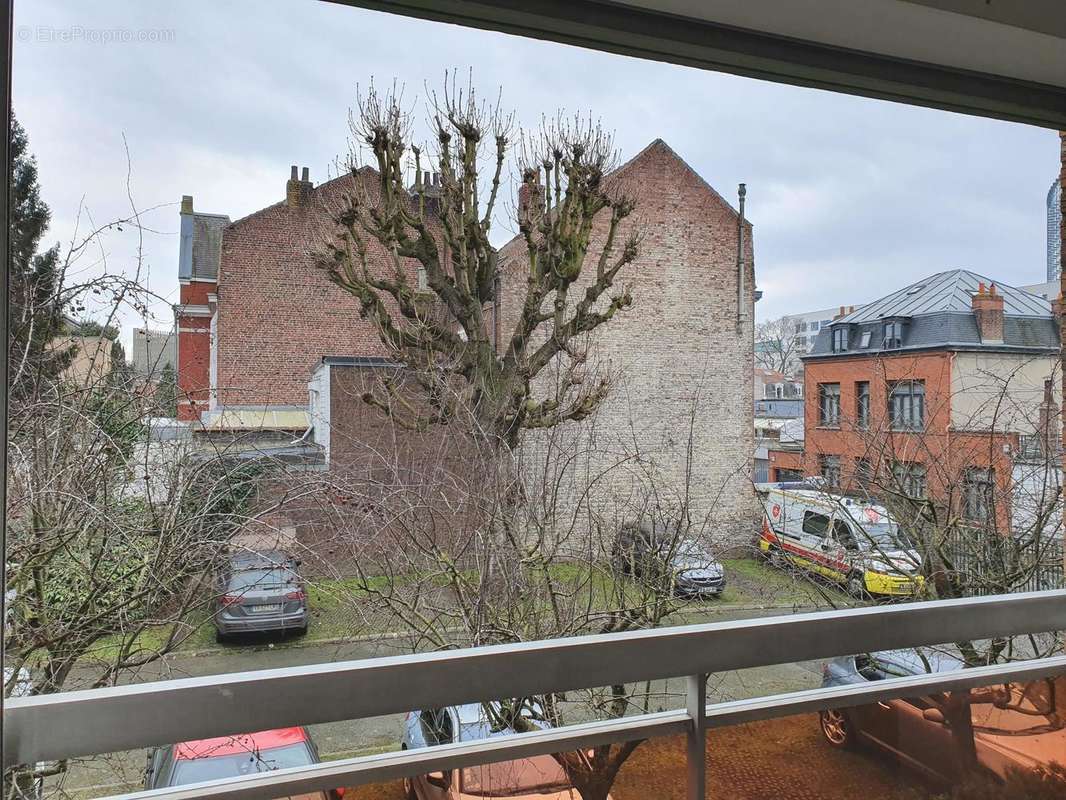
column 266, row 608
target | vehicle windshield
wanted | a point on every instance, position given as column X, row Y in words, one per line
column 689, row 552
column 259, row 579
column 212, row 768
column 884, row 536
column 540, row 774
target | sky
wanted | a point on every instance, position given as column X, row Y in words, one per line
column 850, row 198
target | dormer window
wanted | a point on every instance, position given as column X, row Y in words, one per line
column 893, row 339
column 840, row 339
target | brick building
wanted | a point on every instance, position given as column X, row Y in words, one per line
column 939, row 388
column 680, row 413
column 257, row 316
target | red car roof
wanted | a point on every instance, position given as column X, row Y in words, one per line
column 239, row 743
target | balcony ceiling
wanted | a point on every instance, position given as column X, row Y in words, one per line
column 998, row 58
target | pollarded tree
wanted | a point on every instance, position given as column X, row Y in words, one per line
column 444, row 226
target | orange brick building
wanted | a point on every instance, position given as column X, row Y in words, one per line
column 935, row 390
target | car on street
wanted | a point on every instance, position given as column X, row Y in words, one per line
column 658, row 551
column 260, row 592
column 535, row 778
column 1018, row 726
column 853, row 543
column 233, row 756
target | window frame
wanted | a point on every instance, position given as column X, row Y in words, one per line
column 892, row 334
column 840, row 339
column 912, row 399
column 978, row 494
column 829, row 400
column 862, row 405
column 829, row 469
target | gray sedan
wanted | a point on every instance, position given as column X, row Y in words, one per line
column 260, row 592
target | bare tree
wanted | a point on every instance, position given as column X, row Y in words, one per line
column 113, row 540
column 777, row 346
column 443, row 225
column 978, row 503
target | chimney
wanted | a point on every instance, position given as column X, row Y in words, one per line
column 186, row 204
column 988, row 312
column 842, row 313
column 298, row 189
column 530, row 198
column 1049, row 430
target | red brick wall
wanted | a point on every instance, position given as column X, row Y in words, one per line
column 785, row 459
column 278, row 313
column 194, row 352
column 945, row 452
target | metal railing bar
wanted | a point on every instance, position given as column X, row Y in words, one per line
column 736, row 712
column 89, row 722
column 394, row 765
column 406, row 763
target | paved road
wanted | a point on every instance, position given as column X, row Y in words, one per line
column 110, row 774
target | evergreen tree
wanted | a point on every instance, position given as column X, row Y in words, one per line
column 166, row 392
column 34, row 311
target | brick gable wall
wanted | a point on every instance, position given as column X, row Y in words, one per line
column 278, row 313
column 681, row 365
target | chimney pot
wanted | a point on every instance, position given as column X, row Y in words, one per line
column 305, row 176
column 980, row 287
column 186, row 204
column 292, row 176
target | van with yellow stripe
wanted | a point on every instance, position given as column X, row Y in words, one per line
column 850, row 542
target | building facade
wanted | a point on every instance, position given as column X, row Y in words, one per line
column 937, row 388
column 679, row 415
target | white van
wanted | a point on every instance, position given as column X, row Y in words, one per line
column 853, row 543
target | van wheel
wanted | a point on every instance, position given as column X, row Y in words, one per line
column 857, row 586
column 837, row 730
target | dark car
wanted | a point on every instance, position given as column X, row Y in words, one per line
column 260, row 592
column 233, row 756
column 1015, row 726
column 659, row 551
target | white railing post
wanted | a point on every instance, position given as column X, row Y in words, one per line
column 696, row 750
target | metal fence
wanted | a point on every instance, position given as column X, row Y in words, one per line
column 987, row 566
column 92, row 722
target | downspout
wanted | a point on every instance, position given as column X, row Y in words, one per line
column 741, row 192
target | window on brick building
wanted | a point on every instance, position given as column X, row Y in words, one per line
column 840, row 339
column 862, row 404
column 893, row 338
column 829, row 468
column 423, row 280
column 977, row 494
column 829, row 404
column 906, row 405
column 909, row 478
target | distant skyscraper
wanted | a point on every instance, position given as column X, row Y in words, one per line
column 1054, row 231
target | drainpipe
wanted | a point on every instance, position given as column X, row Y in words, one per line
column 741, row 192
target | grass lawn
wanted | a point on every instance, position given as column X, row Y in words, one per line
column 338, row 604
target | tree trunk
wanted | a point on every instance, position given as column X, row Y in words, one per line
column 959, row 720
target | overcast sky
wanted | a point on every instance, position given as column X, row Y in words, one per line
column 850, row 198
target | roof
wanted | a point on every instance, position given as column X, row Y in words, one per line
column 207, row 244
column 948, row 292
column 239, row 743
column 938, row 314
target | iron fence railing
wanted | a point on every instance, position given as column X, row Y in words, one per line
column 91, row 722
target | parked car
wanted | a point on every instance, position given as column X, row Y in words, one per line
column 260, row 592
column 1019, row 726
column 853, row 543
column 233, row 756
column 657, row 550
column 535, row 778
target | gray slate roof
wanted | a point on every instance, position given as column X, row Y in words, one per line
column 937, row 313
column 948, row 292
column 207, row 244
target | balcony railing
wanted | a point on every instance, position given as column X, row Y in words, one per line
column 91, row 722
